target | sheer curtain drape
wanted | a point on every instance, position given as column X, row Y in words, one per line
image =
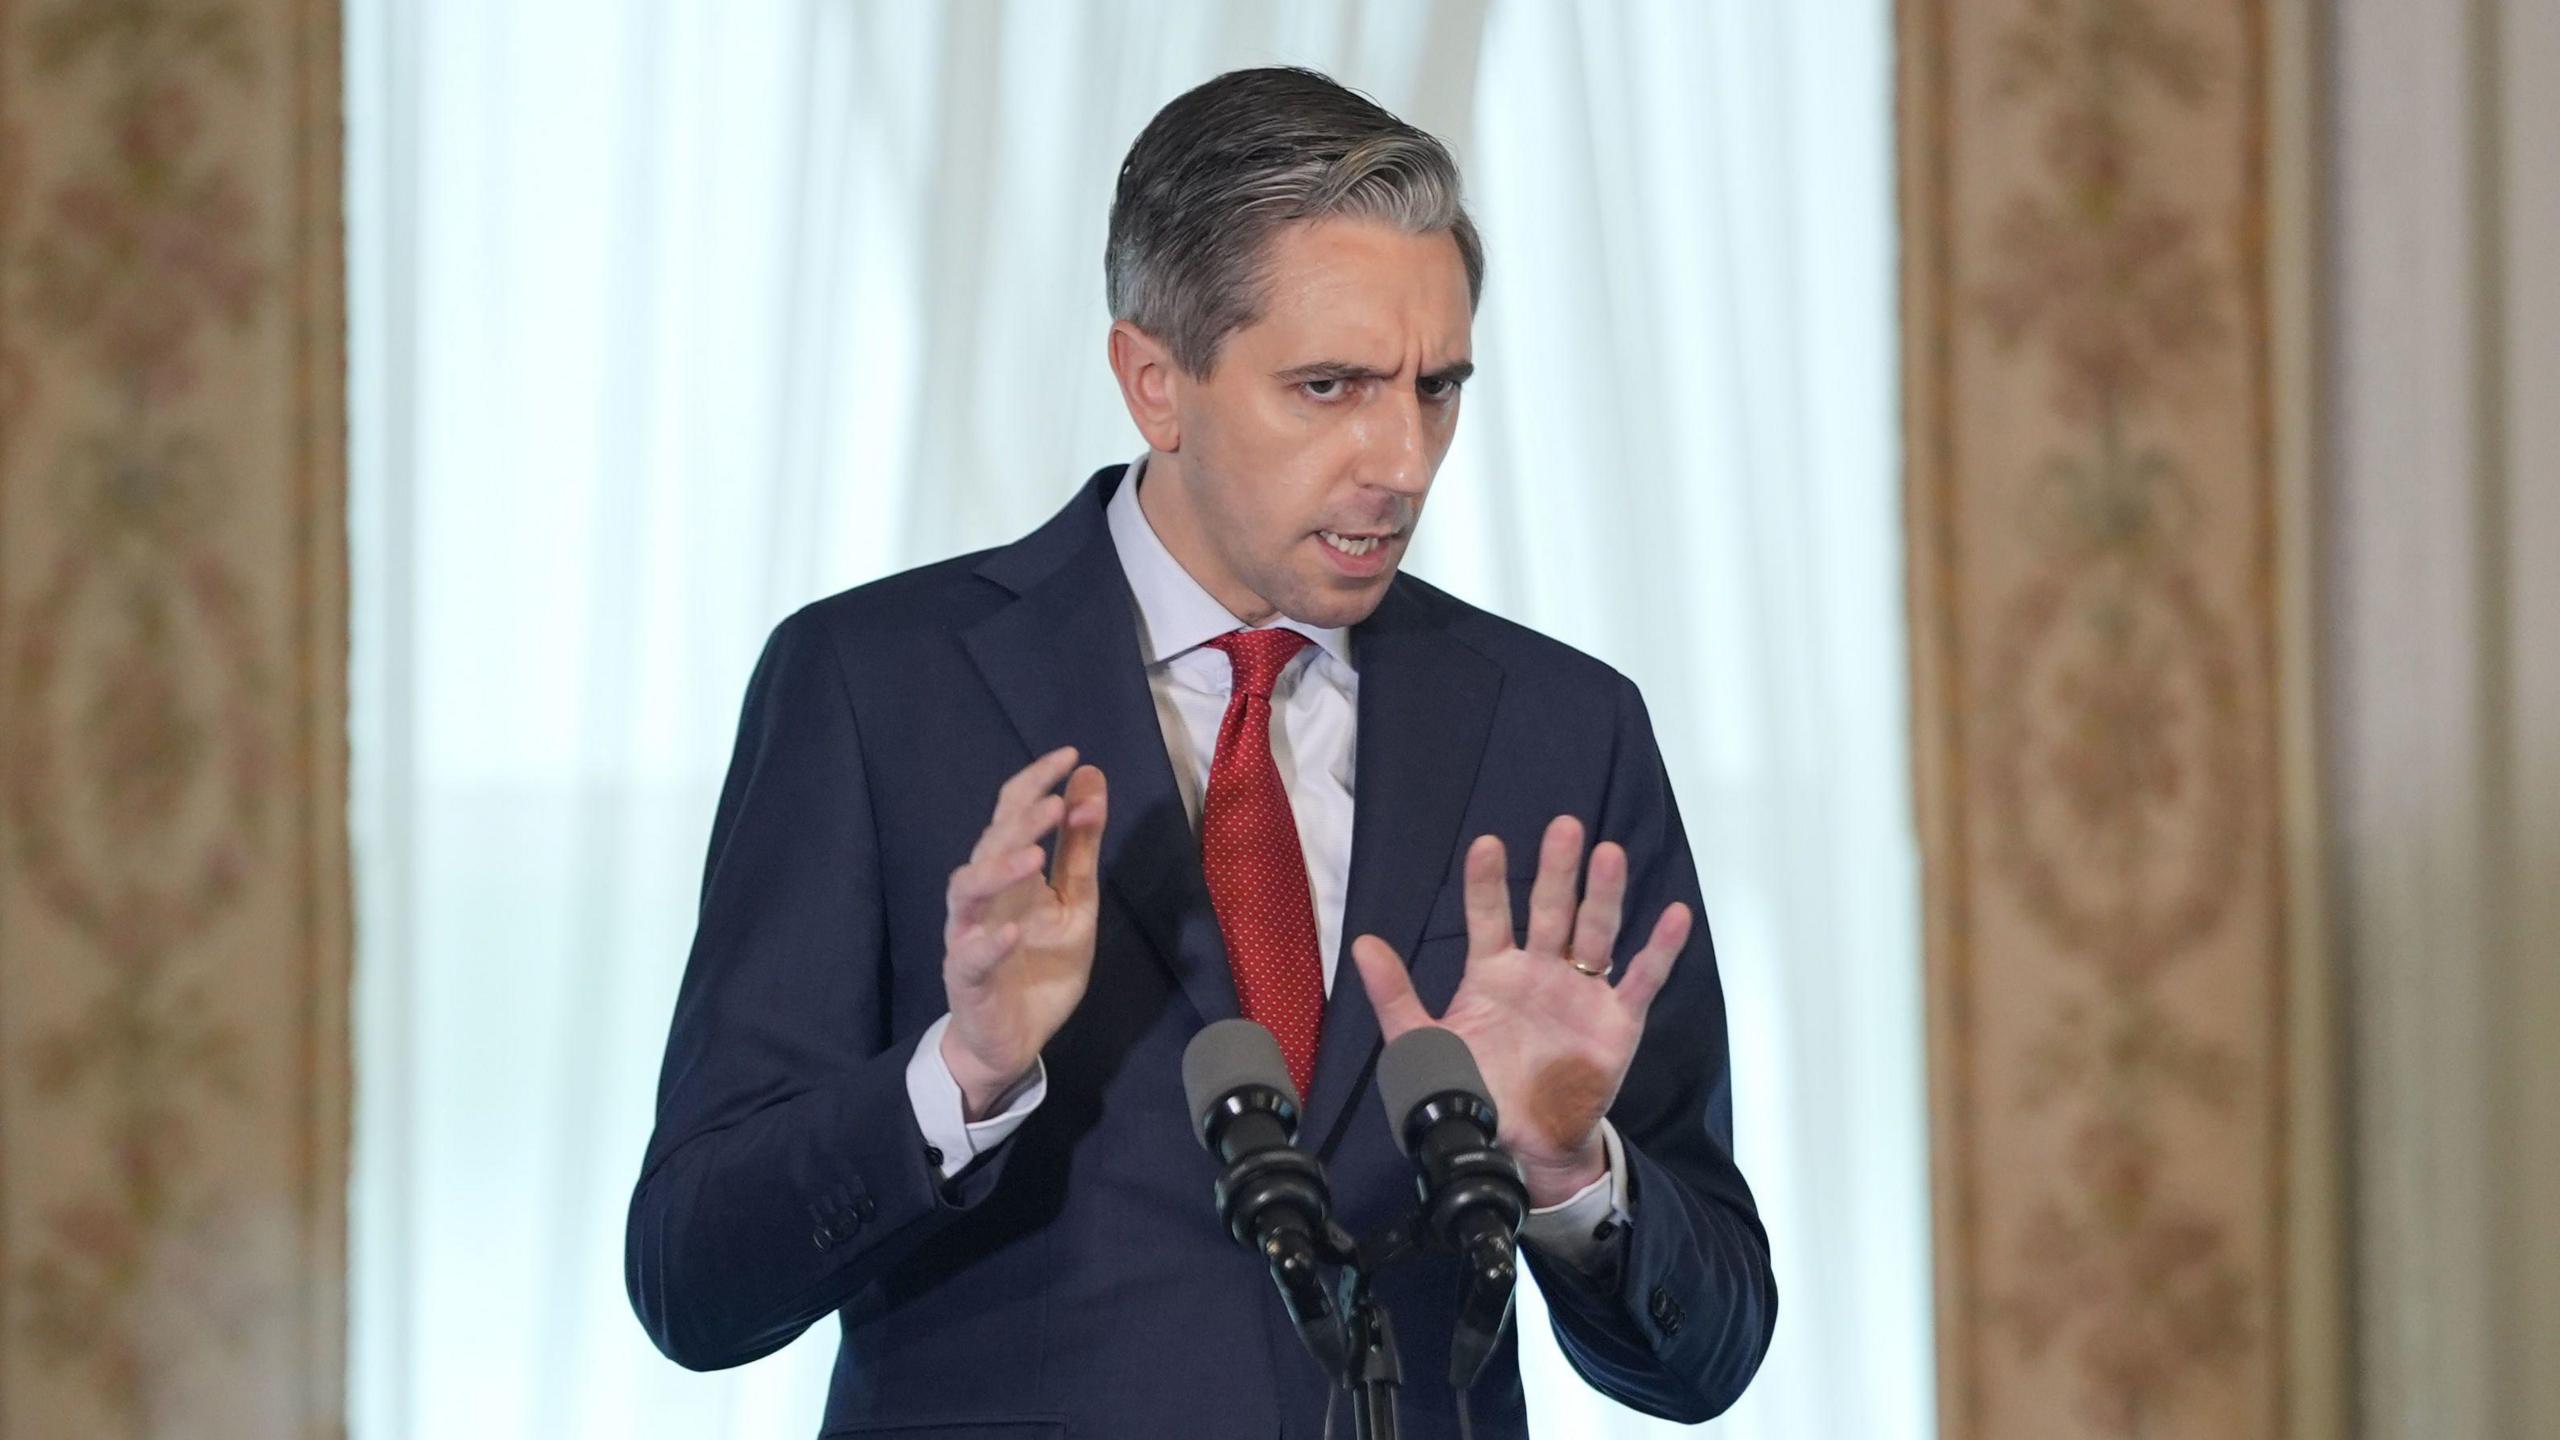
column 671, row 316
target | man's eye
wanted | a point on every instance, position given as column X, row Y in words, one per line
column 1325, row 389
column 1440, row 388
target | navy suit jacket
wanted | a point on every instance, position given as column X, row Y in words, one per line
column 1075, row 1280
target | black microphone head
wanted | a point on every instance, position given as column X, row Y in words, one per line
column 1225, row 1057
column 1422, row 1063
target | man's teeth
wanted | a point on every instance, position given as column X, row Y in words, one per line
column 1350, row 546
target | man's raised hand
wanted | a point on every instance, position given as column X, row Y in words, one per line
column 1018, row 943
column 1553, row 1040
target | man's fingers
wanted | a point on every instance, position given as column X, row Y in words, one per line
column 1390, row 989
column 1551, row 897
column 1088, row 807
column 976, row 950
column 976, row 886
column 1026, row 790
column 1037, row 777
column 1489, row 919
column 1604, row 893
column 1652, row 965
column 1020, row 825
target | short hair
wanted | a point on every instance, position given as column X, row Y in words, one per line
column 1229, row 162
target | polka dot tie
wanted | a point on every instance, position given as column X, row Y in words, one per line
column 1250, row 851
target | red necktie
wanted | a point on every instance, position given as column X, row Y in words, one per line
column 1257, row 872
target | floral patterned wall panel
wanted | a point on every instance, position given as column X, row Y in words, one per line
column 173, row 908
column 2098, row 529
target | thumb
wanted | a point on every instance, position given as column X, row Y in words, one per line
column 1390, row 989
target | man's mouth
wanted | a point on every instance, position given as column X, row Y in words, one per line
column 1350, row 544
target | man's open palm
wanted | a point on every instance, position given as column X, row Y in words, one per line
column 1553, row 1041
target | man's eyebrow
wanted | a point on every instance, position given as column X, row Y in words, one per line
column 1352, row 370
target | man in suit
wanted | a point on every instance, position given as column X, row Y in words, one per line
column 1001, row 834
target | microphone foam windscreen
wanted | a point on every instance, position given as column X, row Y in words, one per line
column 1229, row 1054
column 1422, row 1063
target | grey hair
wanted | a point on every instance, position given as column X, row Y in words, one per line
column 1229, row 162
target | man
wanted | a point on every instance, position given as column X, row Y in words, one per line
column 1001, row 834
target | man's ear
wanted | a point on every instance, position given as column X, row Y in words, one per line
column 1147, row 375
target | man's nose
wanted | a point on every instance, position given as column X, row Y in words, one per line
column 1400, row 447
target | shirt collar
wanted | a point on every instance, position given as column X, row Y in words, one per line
column 1174, row 613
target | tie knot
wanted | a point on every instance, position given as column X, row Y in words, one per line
column 1257, row 656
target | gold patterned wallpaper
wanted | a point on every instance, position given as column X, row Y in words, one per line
column 2096, row 529
column 173, row 907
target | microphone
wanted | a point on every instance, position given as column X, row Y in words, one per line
column 1272, row 1196
column 1473, row 1198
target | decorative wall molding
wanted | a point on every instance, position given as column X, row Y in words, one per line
column 2105, row 419
column 173, row 910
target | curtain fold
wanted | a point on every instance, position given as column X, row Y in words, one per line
column 670, row 317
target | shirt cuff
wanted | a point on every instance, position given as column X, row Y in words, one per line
column 1587, row 1230
column 940, row 1111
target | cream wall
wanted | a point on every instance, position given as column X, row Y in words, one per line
column 2442, row 698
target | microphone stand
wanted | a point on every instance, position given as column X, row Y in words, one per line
column 1376, row 1373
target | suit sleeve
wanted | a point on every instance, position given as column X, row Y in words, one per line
column 1679, row 1329
column 787, row 1169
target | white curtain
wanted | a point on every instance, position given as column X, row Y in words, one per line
column 670, row 315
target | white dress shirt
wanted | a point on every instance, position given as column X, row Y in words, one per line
column 1315, row 708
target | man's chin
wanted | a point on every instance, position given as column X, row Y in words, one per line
column 1339, row 602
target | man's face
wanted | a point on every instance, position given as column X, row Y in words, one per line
column 1322, row 422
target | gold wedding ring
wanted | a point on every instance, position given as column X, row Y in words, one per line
column 1585, row 969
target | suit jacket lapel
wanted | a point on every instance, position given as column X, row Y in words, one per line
column 1063, row 661
column 1426, row 708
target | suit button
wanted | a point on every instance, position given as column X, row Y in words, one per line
column 822, row 1237
column 933, row 1156
column 865, row 1208
column 1666, row 1312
